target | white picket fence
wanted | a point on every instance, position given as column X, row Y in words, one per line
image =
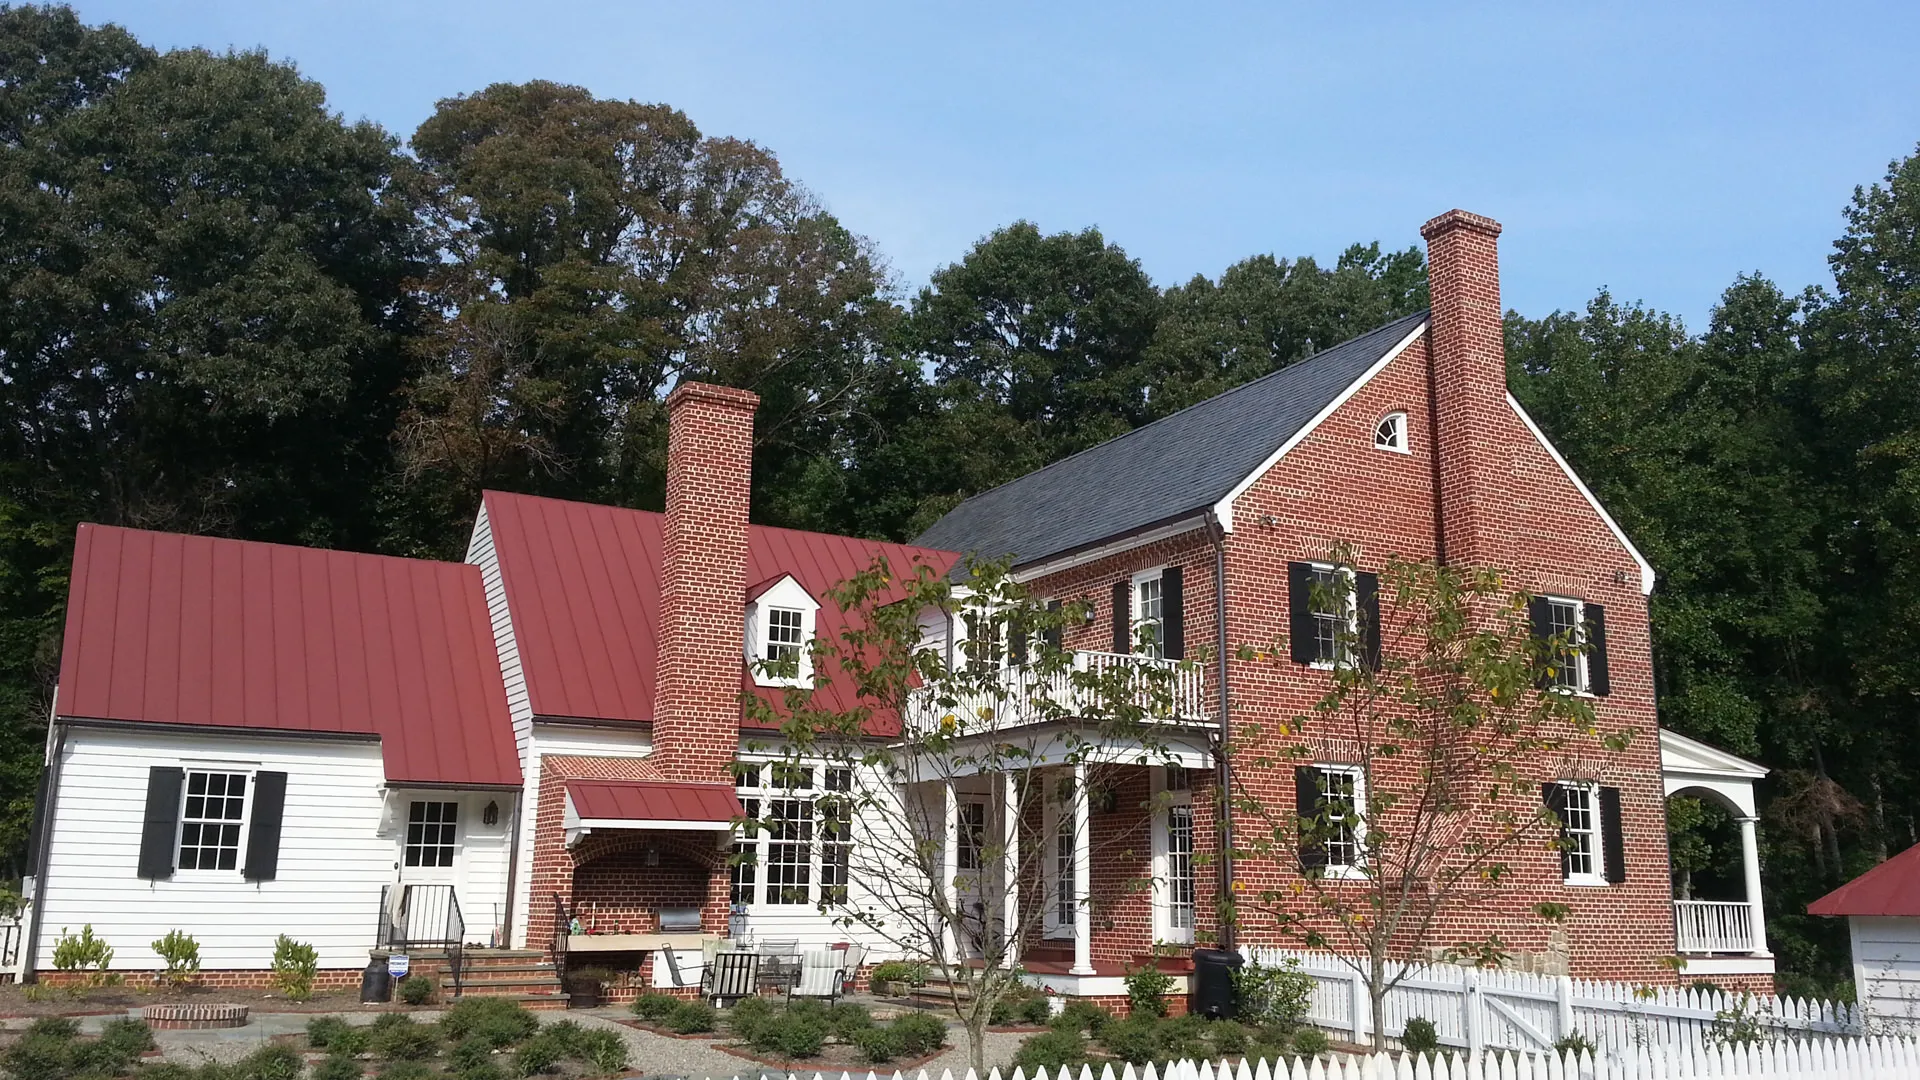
column 1856, row 1059
column 1512, row 1010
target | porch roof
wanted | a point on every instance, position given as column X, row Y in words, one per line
column 651, row 804
column 1892, row 888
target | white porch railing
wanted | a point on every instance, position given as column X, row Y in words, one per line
column 1713, row 926
column 1168, row 689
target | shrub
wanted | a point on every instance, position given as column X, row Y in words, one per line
column 564, row 1035
column 1310, row 1042
column 920, row 1033
column 294, row 964
column 127, row 1037
column 38, row 1057
column 1419, row 1037
column 274, row 1061
column 1051, row 1050
column 324, row 1031
column 406, row 1070
column 795, row 1036
column 1280, row 994
column 406, row 1042
column 1082, row 1016
column 387, row 1020
column 96, row 1058
column 471, row 1053
column 182, row 955
column 1183, row 1038
column 847, row 1019
column 1135, row 1040
column 54, row 1027
column 605, row 1050
column 83, row 953
column 1147, row 991
column 745, row 1018
column 336, row 1067
column 1574, row 1043
column 657, row 1006
column 416, row 989
column 1228, row 1037
column 877, row 1044
column 537, row 1055
column 1035, row 1010
column 485, row 1070
column 900, row 971
column 691, row 1018
column 498, row 1022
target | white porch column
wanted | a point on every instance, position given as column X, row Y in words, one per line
column 1750, row 862
column 950, row 869
column 1082, row 875
column 1010, row 863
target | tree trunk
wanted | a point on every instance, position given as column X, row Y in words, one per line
column 1377, row 997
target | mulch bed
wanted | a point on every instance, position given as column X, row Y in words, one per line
column 113, row 1000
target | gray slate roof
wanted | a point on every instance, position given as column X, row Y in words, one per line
column 1162, row 471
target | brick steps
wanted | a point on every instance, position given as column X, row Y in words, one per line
column 523, row 975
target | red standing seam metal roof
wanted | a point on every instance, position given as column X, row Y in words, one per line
column 583, row 586
column 1892, row 888
column 171, row 629
column 653, row 800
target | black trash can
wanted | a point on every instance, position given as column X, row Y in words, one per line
column 376, row 984
column 1212, row 993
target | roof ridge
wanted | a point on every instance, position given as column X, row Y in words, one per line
column 1228, row 392
column 454, row 563
column 909, row 545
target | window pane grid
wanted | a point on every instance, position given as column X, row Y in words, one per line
column 430, row 833
column 210, row 817
column 1147, row 626
column 789, row 851
column 1578, row 820
column 1563, row 618
column 1180, row 867
column 783, row 634
column 746, row 851
column 1330, row 610
column 1063, row 905
column 1343, row 844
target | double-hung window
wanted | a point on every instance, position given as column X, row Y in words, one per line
column 836, row 835
column 789, row 829
column 1592, row 849
column 1149, row 614
column 1333, row 614
column 798, row 846
column 744, row 864
column 1569, row 670
column 212, row 812
column 1173, row 853
column 786, row 633
column 972, row 829
column 430, row 833
column 1333, row 806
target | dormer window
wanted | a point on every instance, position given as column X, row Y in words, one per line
column 1391, row 433
column 780, row 627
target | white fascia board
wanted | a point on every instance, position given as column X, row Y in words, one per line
column 1679, row 754
column 656, row 823
column 1647, row 576
column 1126, row 543
column 1223, row 510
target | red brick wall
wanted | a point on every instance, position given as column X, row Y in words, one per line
column 235, row 978
column 1519, row 514
column 696, row 699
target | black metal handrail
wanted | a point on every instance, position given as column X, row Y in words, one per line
column 425, row 916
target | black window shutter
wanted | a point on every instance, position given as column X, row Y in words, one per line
column 1540, row 613
column 1366, row 591
column 1123, row 616
column 1052, row 634
column 263, row 836
column 1555, row 798
column 1300, row 612
column 1310, row 800
column 1173, row 614
column 162, row 825
column 1595, row 619
column 1611, row 840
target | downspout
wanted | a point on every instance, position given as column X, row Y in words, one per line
column 43, row 828
column 513, row 869
column 1223, row 768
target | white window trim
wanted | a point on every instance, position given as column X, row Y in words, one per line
column 1057, row 818
column 790, row 595
column 459, row 831
column 246, row 820
column 1357, row 870
column 1583, row 684
column 764, row 793
column 1353, row 607
column 1406, row 438
column 1597, row 878
column 1163, row 928
column 1134, row 619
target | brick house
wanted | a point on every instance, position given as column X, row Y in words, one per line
column 542, row 751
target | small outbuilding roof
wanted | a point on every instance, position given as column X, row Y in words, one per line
column 201, row 631
column 1892, row 888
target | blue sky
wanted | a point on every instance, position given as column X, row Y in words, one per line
column 1655, row 149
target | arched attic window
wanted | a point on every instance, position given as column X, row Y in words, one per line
column 1391, row 433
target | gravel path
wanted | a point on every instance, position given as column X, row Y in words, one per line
column 663, row 1057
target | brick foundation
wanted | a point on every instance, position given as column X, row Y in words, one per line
column 238, row 978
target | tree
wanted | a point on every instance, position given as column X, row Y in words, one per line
column 1000, row 710
column 1448, row 722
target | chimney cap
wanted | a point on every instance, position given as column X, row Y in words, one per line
column 725, row 396
column 1459, row 219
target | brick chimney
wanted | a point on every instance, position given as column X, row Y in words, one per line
column 1469, row 383
column 703, row 569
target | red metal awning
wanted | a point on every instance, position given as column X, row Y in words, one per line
column 651, row 804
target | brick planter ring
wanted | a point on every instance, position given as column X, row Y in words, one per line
column 177, row 1017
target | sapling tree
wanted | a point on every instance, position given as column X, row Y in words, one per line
column 1444, row 709
column 945, row 688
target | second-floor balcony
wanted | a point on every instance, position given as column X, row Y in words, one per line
column 1100, row 686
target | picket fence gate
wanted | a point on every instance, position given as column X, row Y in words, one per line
column 1881, row 1058
column 1478, row 1010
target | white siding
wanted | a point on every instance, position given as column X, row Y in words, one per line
column 1886, row 971
column 479, row 874
column 480, row 553
column 561, row 739
column 332, row 860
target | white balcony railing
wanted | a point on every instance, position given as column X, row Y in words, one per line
column 1166, row 689
column 1714, row 926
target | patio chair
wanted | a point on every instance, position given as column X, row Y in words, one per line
column 821, row 976
column 680, row 968
column 851, row 958
column 780, row 961
column 731, row 976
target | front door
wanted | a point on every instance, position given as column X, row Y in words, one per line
column 973, row 890
column 431, row 869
